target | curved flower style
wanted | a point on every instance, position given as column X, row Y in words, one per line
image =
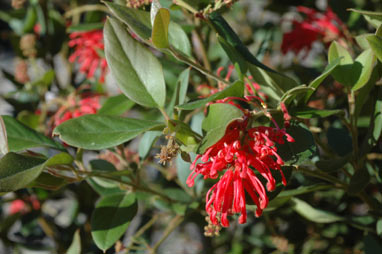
column 325, row 27
column 87, row 47
column 239, row 152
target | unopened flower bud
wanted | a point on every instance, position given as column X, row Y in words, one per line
column 28, row 45
column 21, row 71
column 18, row 4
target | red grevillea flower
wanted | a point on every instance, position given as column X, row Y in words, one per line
column 240, row 152
column 316, row 26
column 74, row 108
column 87, row 47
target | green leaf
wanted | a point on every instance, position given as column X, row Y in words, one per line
column 363, row 65
column 104, row 186
column 275, row 83
column 161, row 23
column 379, row 227
column 21, row 137
column 111, row 218
column 358, row 181
column 376, row 45
column 18, row 171
column 101, row 185
column 313, row 214
column 45, row 80
column 304, row 147
column 182, row 82
column 308, row 113
column 29, row 20
column 362, row 41
column 236, row 89
column 364, row 92
column 96, row 132
column 317, row 81
column 3, row 138
column 147, row 141
column 291, row 94
column 333, row 164
column 178, row 38
column 220, row 115
column 75, row 247
column 179, row 95
column 377, row 129
column 139, row 23
column 339, row 140
column 137, row 20
column 226, row 32
column 304, row 189
column 184, row 133
column 48, row 182
column 29, row 119
column 343, row 72
column 138, row 72
column 116, row 105
column 374, row 18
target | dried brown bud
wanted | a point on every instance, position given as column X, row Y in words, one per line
column 28, row 45
column 18, row 4
column 211, row 230
column 168, row 152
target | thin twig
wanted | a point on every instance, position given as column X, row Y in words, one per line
column 174, row 223
column 86, row 8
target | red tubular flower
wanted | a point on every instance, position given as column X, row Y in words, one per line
column 316, row 26
column 74, row 108
column 87, row 46
column 240, row 151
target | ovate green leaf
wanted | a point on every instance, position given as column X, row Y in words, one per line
column 316, row 82
column 116, row 105
column 313, row 214
column 75, row 247
column 111, row 218
column 21, row 137
column 363, row 65
column 137, row 20
column 376, row 45
column 343, row 72
column 220, row 115
column 138, row 72
column 161, row 23
column 97, row 132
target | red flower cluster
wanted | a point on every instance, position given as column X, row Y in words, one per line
column 20, row 206
column 325, row 27
column 87, row 47
column 240, row 151
column 87, row 105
